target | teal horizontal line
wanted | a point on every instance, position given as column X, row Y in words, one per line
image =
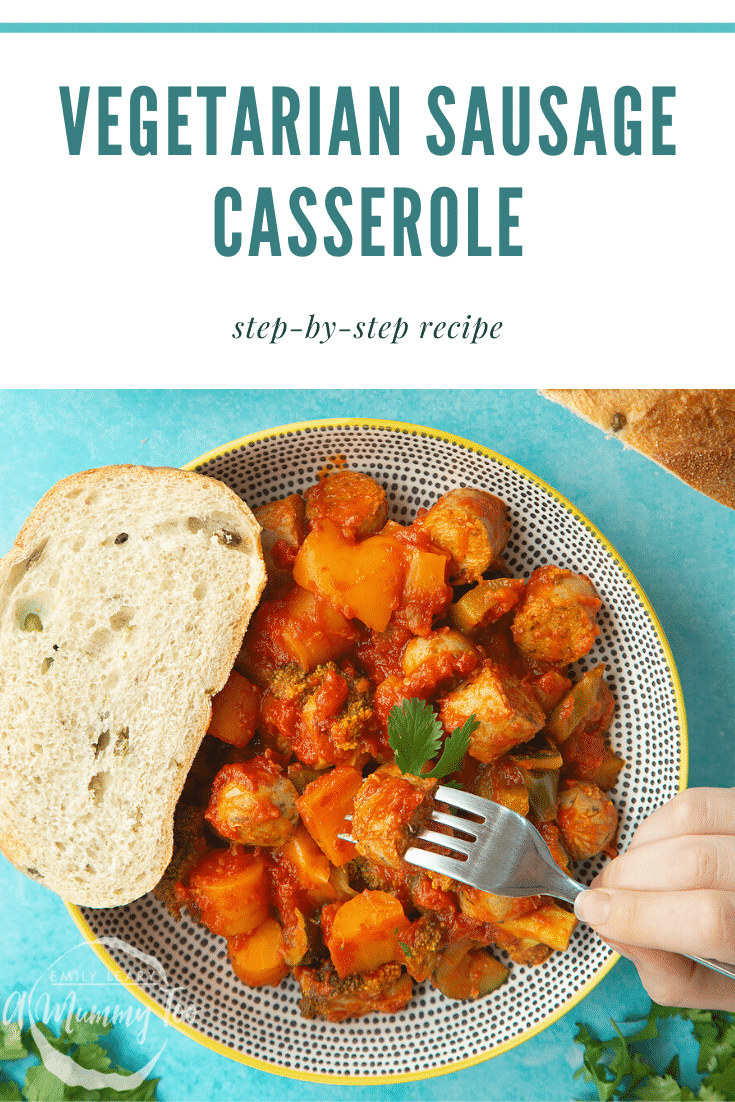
column 367, row 28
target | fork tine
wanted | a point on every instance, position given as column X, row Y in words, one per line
column 465, row 825
column 466, row 801
column 436, row 862
column 446, row 840
column 504, row 853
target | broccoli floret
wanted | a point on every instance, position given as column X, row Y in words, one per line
column 189, row 844
column 325, row 995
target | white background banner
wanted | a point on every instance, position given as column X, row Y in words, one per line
column 111, row 275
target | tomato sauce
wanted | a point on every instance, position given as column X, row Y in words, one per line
column 329, row 657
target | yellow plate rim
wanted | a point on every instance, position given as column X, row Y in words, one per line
column 459, row 1065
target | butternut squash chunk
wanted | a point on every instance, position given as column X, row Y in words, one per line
column 314, row 631
column 229, row 893
column 258, row 958
column 495, row 908
column 359, row 579
column 363, row 932
column 235, row 711
column 549, row 924
column 311, row 868
column 503, row 781
column 323, row 807
column 466, row 972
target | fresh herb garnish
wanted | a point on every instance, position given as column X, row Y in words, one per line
column 619, row 1071
column 415, row 736
column 78, row 1041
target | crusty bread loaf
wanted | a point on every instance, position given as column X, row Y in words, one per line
column 123, row 603
column 689, row 432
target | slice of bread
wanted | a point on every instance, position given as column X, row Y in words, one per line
column 123, row 604
column 689, row 432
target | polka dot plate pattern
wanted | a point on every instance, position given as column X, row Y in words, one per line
column 263, row 1027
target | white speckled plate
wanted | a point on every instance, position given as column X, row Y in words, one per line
column 432, row 1035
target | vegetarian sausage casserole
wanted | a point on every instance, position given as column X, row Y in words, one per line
column 377, row 649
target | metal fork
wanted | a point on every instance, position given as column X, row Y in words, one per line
column 503, row 854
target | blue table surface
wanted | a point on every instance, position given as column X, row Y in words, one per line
column 678, row 543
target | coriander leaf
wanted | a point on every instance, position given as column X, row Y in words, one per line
column 605, row 1087
column 648, row 1033
column 708, row 1038
column 638, row 1070
column 56, row 1042
column 93, row 1057
column 658, row 1011
column 81, row 1094
column 414, row 735
column 596, row 1070
column 11, row 1043
column 584, row 1037
column 693, row 1015
column 84, row 1032
column 716, row 1043
column 724, row 1050
column 706, row 1094
column 624, row 1062
column 664, row 1088
column 42, row 1086
column 713, row 1030
column 722, row 1080
column 146, row 1092
column 455, row 749
column 10, row 1091
column 620, row 1059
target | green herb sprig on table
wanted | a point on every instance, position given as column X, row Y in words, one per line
column 619, row 1071
column 78, row 1041
column 415, row 736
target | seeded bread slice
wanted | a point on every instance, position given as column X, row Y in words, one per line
column 123, row 604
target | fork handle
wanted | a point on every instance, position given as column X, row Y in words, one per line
column 716, row 965
column 560, row 886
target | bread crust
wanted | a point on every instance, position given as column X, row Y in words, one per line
column 690, row 433
column 240, row 575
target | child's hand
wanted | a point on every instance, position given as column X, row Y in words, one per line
column 673, row 891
